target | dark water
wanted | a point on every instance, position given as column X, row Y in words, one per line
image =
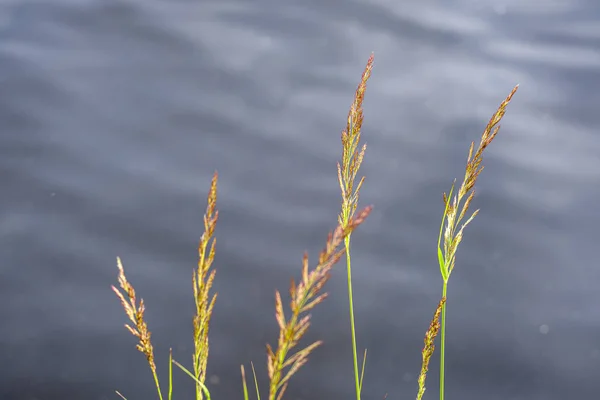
column 114, row 115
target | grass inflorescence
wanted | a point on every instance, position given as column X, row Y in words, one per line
column 452, row 218
column 352, row 158
column 289, row 355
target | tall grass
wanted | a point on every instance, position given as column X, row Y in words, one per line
column 352, row 158
column 452, row 219
column 288, row 355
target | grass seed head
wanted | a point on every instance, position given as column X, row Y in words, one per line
column 352, row 157
column 304, row 295
column 136, row 316
column 202, row 281
column 473, row 169
column 429, row 347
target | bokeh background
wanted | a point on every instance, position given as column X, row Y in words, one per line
column 115, row 113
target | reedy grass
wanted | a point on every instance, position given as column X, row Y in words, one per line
column 281, row 365
column 140, row 330
column 202, row 281
column 304, row 297
column 452, row 237
column 429, row 347
column 352, row 158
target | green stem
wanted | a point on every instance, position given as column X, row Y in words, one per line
column 157, row 385
column 354, row 352
column 443, row 341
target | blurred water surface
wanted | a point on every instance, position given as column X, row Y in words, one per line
column 115, row 113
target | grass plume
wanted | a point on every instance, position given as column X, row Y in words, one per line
column 139, row 329
column 202, row 280
column 452, row 218
column 289, row 356
column 429, row 347
column 304, row 296
column 352, row 158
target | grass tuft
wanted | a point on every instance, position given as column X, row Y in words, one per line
column 288, row 356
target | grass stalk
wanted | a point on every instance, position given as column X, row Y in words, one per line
column 351, row 160
column 286, row 359
column 452, row 234
column 304, row 296
column 139, row 329
column 443, row 342
column 351, row 308
column 429, row 347
column 202, row 281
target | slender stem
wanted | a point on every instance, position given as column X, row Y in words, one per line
column 443, row 342
column 354, row 352
column 170, row 374
column 157, row 385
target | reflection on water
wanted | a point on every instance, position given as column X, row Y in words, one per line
column 114, row 115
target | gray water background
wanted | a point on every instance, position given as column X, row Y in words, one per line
column 114, row 115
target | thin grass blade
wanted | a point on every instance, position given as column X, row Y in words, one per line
column 191, row 375
column 244, row 383
column 255, row 382
column 362, row 372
